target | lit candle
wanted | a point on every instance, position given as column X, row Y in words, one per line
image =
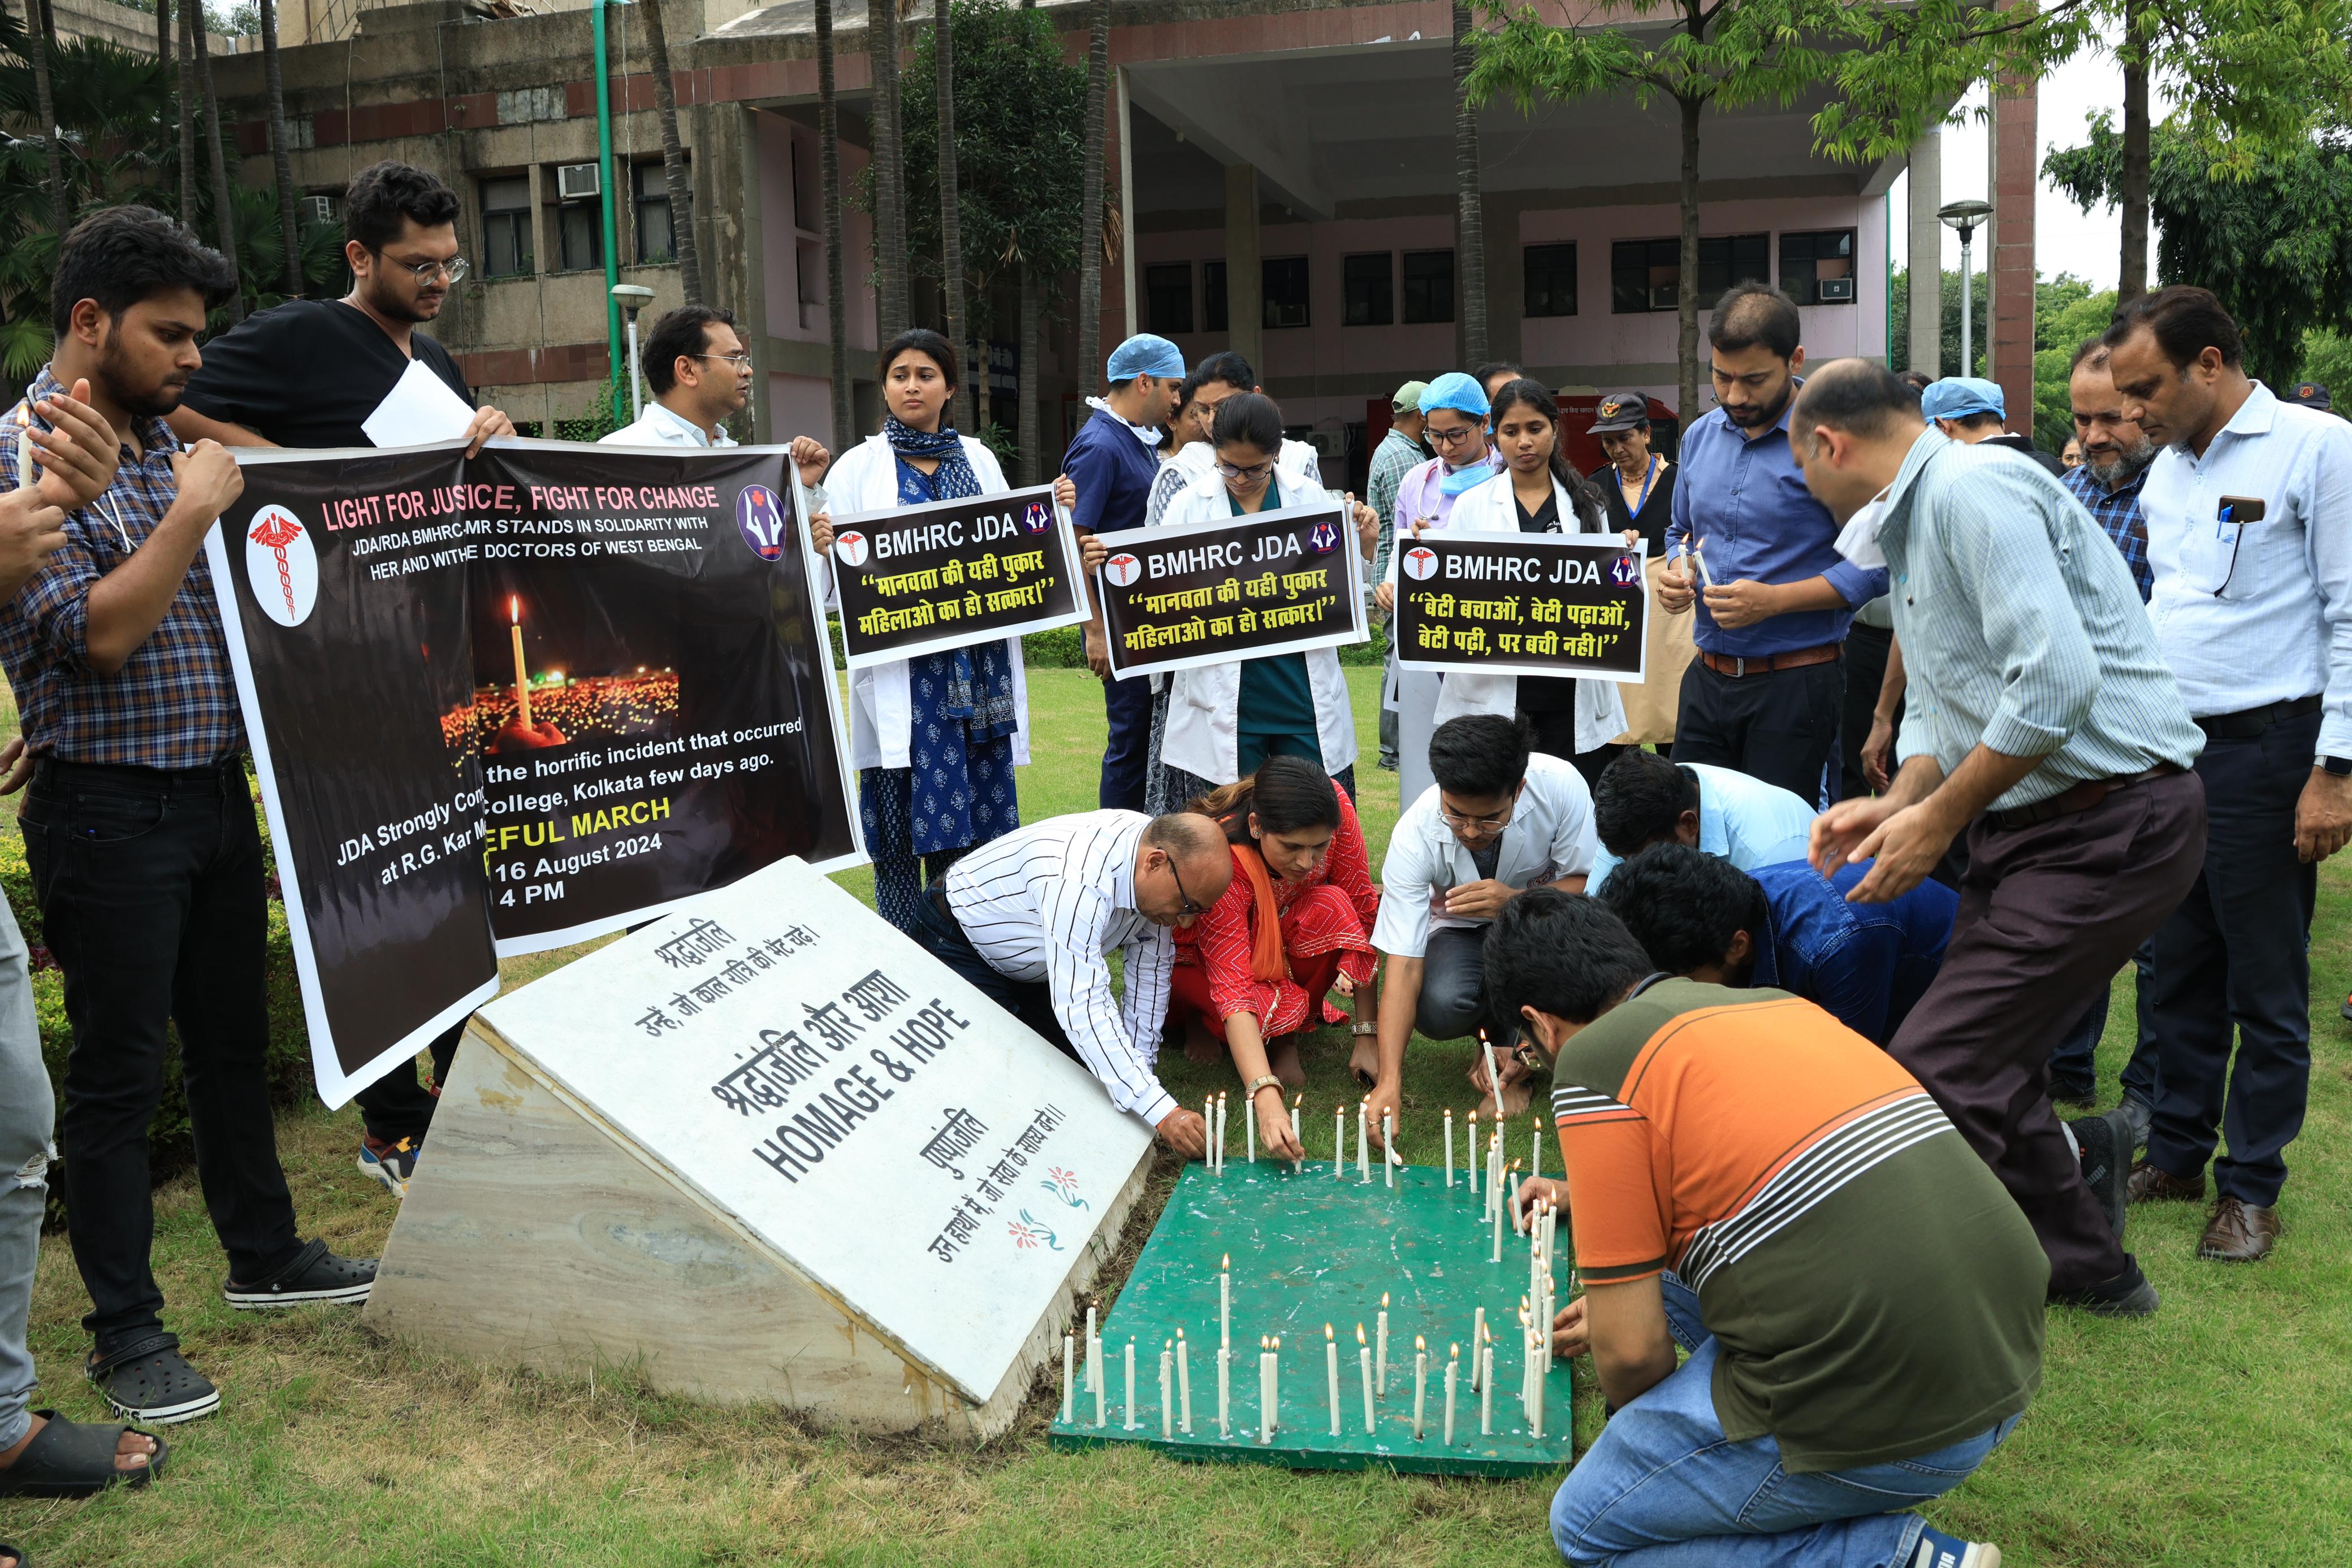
column 522, row 676
column 1209, row 1115
column 1298, row 1130
column 1477, row 1338
column 1449, row 1148
column 1275, row 1368
column 1486, row 1390
column 1167, row 1404
column 1331, row 1371
column 1363, row 1141
column 1380, row 1347
column 1453, row 1368
column 1224, row 1390
column 1249, row 1128
column 1388, row 1146
column 1184, row 1382
column 1265, row 1390
column 1223, row 1115
column 1513, row 1198
column 1130, row 1383
column 1471, row 1154
column 1224, row 1300
column 1364, row 1366
column 1494, row 1197
column 1069, row 1379
column 1534, row 1150
column 1542, row 1362
column 1339, row 1139
column 1420, row 1383
column 1094, row 1353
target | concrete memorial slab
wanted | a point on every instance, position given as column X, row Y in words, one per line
column 767, row 1149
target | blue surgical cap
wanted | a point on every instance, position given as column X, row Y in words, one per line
column 1455, row 390
column 1145, row 355
column 1963, row 397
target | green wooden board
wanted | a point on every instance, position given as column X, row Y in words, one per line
column 1310, row 1249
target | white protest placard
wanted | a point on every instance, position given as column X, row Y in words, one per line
column 897, row 1139
column 419, row 409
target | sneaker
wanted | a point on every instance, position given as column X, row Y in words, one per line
column 1937, row 1549
column 2105, row 1148
column 390, row 1163
column 316, row 1275
column 2127, row 1295
column 148, row 1382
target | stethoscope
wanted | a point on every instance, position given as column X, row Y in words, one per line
column 24, row 413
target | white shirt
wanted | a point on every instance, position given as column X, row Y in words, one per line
column 1744, row 820
column 1549, row 836
column 1047, row 902
column 2257, row 614
column 659, row 425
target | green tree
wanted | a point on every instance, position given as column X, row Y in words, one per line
column 2066, row 312
column 2328, row 359
column 2275, row 245
column 1948, row 352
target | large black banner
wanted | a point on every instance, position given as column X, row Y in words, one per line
column 914, row 579
column 1272, row 582
column 1521, row 604
column 504, row 704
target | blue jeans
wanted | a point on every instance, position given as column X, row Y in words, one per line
column 27, row 1113
column 1664, row 1489
column 2073, row 1060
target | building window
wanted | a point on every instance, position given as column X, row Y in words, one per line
column 506, row 227
column 1816, row 266
column 1168, row 298
column 1644, row 274
column 1370, row 282
column 1428, row 285
column 580, row 236
column 1550, row 280
column 656, row 238
column 1285, row 291
column 1212, row 296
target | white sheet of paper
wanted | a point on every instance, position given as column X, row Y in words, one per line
column 419, row 408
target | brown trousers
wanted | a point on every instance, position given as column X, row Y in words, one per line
column 2048, row 914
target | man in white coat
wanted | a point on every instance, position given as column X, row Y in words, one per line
column 700, row 375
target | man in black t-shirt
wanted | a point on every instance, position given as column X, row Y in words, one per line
column 308, row 374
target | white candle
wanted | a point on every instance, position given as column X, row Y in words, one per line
column 1099, row 1405
column 1224, row 1391
column 1363, row 1142
column 1449, row 1148
column 1094, row 1353
column 1167, row 1404
column 1265, row 1393
column 1388, row 1146
column 1513, row 1196
column 1331, row 1371
column 1224, row 1300
column 1534, row 1150
column 1420, row 1383
column 1299, row 1129
column 1364, row 1366
column 1477, row 1338
column 1069, row 1380
column 1184, row 1383
column 1249, row 1128
column 1274, row 1368
column 1380, row 1347
column 1130, row 1383
column 1453, row 1368
column 1486, row 1392
column 1494, row 1078
column 1338, row 1140
column 1536, row 1424
column 1471, row 1154
column 1494, row 1193
column 1224, row 1115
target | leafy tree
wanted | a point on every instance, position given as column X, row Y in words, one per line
column 2328, row 359
column 1948, row 353
column 1093, row 210
column 2275, row 245
column 281, row 157
column 2067, row 311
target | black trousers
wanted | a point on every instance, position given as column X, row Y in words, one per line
column 2233, row 960
column 1865, row 670
column 1778, row 726
column 1030, row 1001
column 1556, row 737
column 397, row 1105
column 1127, row 743
column 150, row 889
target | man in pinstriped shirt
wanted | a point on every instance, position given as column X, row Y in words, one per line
column 1031, row 918
column 2046, row 723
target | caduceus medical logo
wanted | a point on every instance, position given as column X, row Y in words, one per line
column 1419, row 562
column 1123, row 569
column 280, row 566
column 760, row 516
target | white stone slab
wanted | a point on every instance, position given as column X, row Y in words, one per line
column 899, row 1139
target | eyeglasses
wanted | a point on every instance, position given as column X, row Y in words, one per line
column 1451, row 437
column 1254, row 470
column 1488, row 823
column 1190, row 907
column 740, row 362
column 424, row 272
column 1529, row 1057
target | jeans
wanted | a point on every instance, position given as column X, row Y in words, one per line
column 28, row 1115
column 1663, row 1487
column 2075, row 1060
column 1453, row 984
column 1127, row 708
column 149, row 887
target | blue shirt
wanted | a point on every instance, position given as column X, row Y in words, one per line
column 1745, row 502
column 2117, row 511
column 1864, row 964
column 1113, row 471
column 1744, row 820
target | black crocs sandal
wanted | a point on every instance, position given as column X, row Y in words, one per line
column 149, row 1380
column 75, row 1458
column 15, row 1557
column 316, row 1275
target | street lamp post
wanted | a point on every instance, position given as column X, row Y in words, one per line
column 632, row 298
column 1963, row 217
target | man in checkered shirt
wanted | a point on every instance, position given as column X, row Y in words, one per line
column 139, row 825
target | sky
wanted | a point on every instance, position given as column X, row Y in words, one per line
column 2066, row 238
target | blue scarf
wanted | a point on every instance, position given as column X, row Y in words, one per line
column 974, row 685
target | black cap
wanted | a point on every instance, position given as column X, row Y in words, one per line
column 1620, row 410
column 2310, row 394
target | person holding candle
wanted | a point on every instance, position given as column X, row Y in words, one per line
column 1861, row 1299
column 1293, row 924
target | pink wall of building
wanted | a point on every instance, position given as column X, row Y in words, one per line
column 793, row 241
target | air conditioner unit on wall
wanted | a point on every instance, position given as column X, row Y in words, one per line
column 578, row 182
column 1837, row 290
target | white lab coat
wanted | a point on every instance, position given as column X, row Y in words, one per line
column 1203, row 735
column 1550, row 837
column 866, row 479
column 1492, row 508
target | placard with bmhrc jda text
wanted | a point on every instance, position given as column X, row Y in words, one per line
column 918, row 580
column 901, row 1141
column 1524, row 604
column 1273, row 582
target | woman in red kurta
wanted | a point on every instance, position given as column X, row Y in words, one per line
column 1294, row 925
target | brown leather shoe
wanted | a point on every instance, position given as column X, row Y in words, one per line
column 2238, row 1232
column 2154, row 1184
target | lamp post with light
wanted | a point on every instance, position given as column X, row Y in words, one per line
column 1962, row 218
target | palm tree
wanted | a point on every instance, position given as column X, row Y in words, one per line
column 681, row 191
column 38, row 35
column 950, row 236
column 836, row 305
column 224, row 210
column 890, row 172
column 281, row 156
column 1032, row 450
column 187, row 96
column 1090, row 232
column 2131, row 276
column 1470, row 225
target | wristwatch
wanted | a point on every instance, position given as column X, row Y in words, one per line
column 1263, row 1081
column 2336, row 767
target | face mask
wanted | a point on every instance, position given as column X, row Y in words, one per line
column 1858, row 541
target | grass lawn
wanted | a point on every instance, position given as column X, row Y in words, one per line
column 2218, row 1433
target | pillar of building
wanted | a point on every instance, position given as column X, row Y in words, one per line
column 1245, row 269
column 2008, row 347
column 1926, row 346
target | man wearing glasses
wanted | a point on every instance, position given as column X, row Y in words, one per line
column 701, row 376
column 1501, row 819
column 308, row 374
column 1031, row 918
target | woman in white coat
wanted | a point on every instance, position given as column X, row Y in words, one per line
column 935, row 739
column 1577, row 720
column 1224, row 719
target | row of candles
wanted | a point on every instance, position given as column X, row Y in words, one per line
column 1213, row 1112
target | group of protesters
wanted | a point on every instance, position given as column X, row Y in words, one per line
column 1811, row 931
